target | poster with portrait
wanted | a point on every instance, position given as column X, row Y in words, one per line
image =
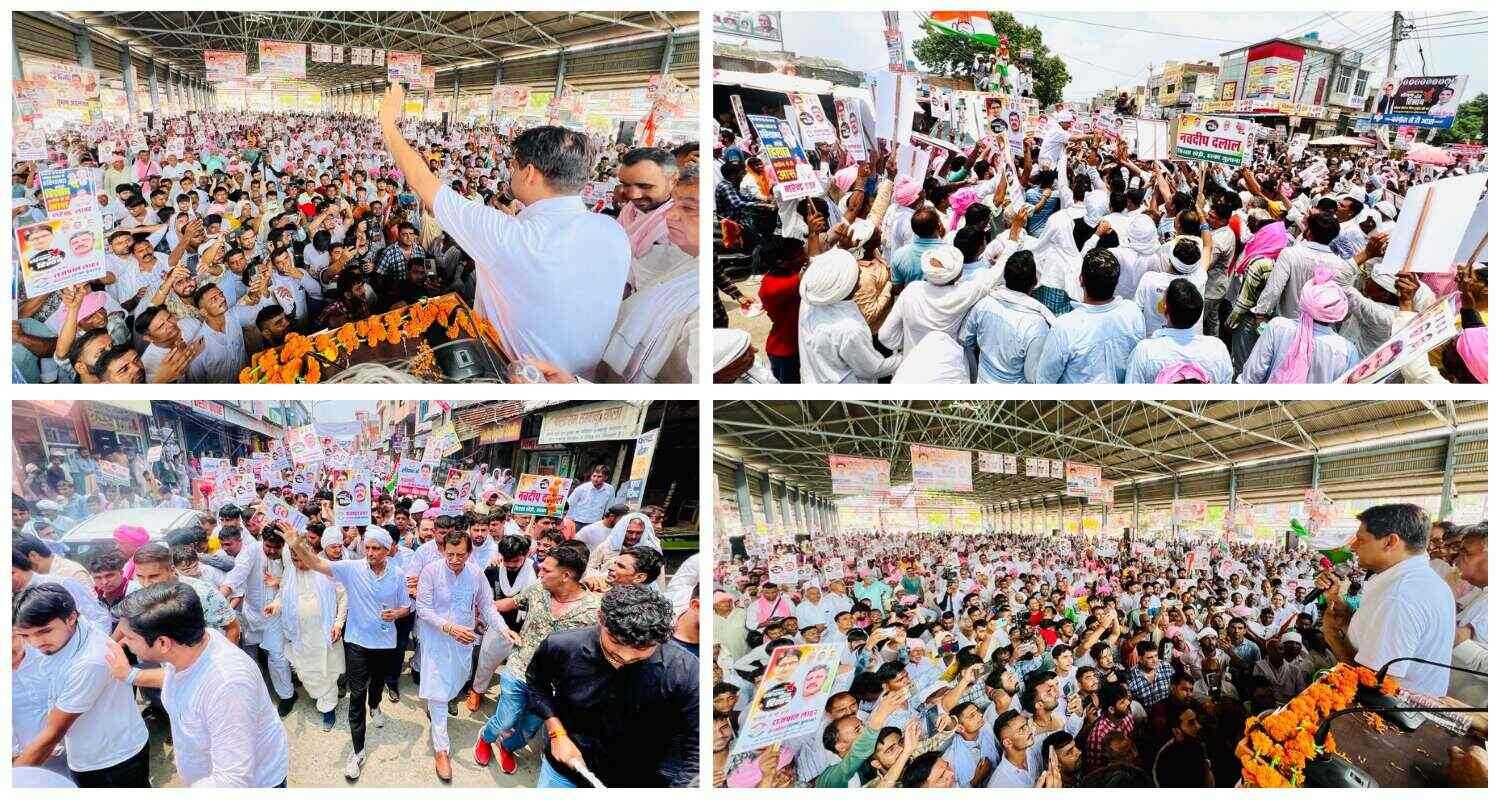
column 541, row 495
column 61, row 252
column 413, row 477
column 851, row 129
column 1082, row 479
column 458, row 487
column 220, row 66
column 789, row 699
column 304, row 445
column 351, row 497
column 782, row 151
column 942, row 469
column 283, row 59
column 854, row 475
column 812, row 118
column 279, row 510
column 403, row 67
column 1429, row 330
column 1423, row 101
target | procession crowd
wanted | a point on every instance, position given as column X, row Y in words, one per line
column 209, row 634
column 1001, row 659
column 1072, row 262
column 227, row 233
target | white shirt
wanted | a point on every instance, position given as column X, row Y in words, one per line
column 30, row 703
column 1474, row 610
column 1008, row 333
column 1332, row 354
column 108, row 730
column 834, row 343
column 1152, row 288
column 87, row 602
column 1294, row 267
column 593, row 534
column 1170, row 345
column 225, row 732
column 223, row 353
column 368, row 595
column 587, row 504
column 1406, row 610
column 550, row 278
column 1005, row 773
column 964, row 756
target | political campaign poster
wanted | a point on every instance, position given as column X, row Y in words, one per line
column 834, row 571
column 782, row 151
column 541, row 495
column 458, row 487
column 304, row 446
column 351, row 497
column 895, row 43
column 1217, row 140
column 282, row 59
column 112, row 473
column 1425, row 238
column 413, row 477
column 510, row 97
column 444, row 438
column 69, row 192
column 320, row 53
column 224, row 65
column 783, row 570
column 1429, row 330
column 359, row 56
column 1056, row 468
column 632, row 489
column 854, row 475
column 1107, row 124
column 280, row 511
column 58, row 253
column 1187, row 512
column 813, row 119
column 403, row 67
column 377, row 57
column 427, row 79
column 1297, row 145
column 941, row 469
column 1038, row 468
column 990, row 462
column 669, row 95
column 1423, row 101
column 788, row 702
column 211, row 467
column 851, row 130
column 1082, row 479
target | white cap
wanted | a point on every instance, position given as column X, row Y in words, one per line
column 1207, row 632
column 1291, row 636
column 729, row 344
column 1064, row 116
column 418, row 506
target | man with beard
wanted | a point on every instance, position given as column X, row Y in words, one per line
column 647, row 176
column 93, row 713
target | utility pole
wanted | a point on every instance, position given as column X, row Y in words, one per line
column 1390, row 58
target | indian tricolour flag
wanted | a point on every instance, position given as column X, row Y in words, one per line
column 968, row 24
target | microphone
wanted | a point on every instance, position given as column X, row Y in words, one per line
column 1333, row 771
column 1405, row 719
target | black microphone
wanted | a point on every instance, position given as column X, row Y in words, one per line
column 1404, row 719
column 1310, row 596
column 1333, row 771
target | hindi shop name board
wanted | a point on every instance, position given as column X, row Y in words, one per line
column 612, row 419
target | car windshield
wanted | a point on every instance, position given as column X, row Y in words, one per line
column 156, row 521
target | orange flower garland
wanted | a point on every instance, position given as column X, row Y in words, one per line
column 300, row 359
column 1278, row 745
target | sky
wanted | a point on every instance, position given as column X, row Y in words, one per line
column 1100, row 57
column 339, row 410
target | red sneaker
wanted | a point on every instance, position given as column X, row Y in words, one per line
column 482, row 752
column 507, row 761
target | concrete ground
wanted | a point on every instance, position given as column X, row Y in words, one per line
column 759, row 327
column 398, row 755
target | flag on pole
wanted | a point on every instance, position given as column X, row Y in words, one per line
column 974, row 25
column 1332, row 543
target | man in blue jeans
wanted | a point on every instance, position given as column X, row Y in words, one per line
column 556, row 602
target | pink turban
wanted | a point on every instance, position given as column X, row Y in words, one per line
column 906, row 190
column 1323, row 301
column 1474, row 348
column 960, row 201
column 844, row 178
column 132, row 536
column 1183, row 371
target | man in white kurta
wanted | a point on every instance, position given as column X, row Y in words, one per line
column 451, row 597
column 312, row 609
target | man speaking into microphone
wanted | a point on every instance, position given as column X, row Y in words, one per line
column 1405, row 609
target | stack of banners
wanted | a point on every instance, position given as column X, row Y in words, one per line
column 1000, row 463
column 782, row 152
column 1423, row 101
column 283, row 59
column 788, row 702
column 942, row 469
column 1467, row 150
column 541, row 495
column 280, row 511
column 632, row 490
column 403, row 67
column 304, row 446
column 224, row 65
column 810, row 115
column 1083, row 480
column 854, row 475
column 509, row 97
column 1429, row 330
column 68, row 247
column 1217, row 140
column 413, row 477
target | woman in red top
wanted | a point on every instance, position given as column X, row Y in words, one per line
column 783, row 259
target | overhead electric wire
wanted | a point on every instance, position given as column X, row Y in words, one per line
column 1137, row 30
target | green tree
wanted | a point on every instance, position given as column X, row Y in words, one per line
column 954, row 55
column 1470, row 126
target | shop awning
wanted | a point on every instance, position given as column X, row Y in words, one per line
column 771, row 82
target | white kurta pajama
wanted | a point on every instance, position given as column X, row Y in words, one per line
column 446, row 598
column 312, row 605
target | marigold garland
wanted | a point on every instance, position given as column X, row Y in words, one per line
column 300, row 359
column 1278, row 745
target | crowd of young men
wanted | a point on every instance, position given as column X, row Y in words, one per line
column 273, row 224
column 203, row 634
column 1002, row 659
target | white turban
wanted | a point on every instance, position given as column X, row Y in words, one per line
column 830, row 277
column 942, row 265
column 1182, row 267
column 729, row 344
column 1140, row 235
column 1095, row 207
column 860, row 232
column 374, row 534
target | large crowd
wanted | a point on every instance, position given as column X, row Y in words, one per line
column 996, row 658
column 1073, row 262
column 227, row 233
column 208, row 634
